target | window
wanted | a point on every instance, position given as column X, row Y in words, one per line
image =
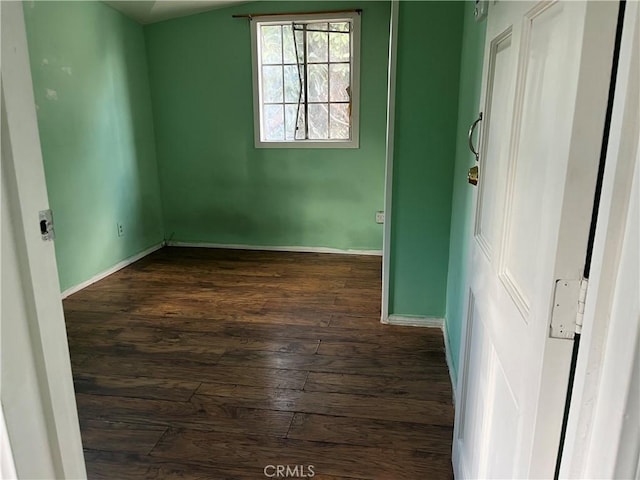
column 306, row 80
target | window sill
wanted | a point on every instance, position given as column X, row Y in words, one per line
column 309, row 144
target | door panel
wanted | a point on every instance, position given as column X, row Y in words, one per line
column 500, row 463
column 491, row 193
column 490, row 399
column 474, row 383
column 533, row 206
column 549, row 53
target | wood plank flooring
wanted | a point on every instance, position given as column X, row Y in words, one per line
column 213, row 364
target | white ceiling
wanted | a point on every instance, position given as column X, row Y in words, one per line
column 150, row 11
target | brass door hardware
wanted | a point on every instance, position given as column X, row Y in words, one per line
column 472, row 176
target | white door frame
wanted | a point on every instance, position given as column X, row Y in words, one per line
column 388, row 188
column 40, row 287
column 7, row 468
column 603, row 402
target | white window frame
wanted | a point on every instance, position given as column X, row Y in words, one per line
column 354, row 141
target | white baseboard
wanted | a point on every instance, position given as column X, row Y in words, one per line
column 411, row 321
column 275, row 248
column 109, row 271
column 449, row 358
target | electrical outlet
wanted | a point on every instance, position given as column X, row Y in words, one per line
column 379, row 217
column 120, row 230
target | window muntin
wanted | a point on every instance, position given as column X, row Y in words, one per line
column 306, row 81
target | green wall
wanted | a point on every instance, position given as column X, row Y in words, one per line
column 216, row 186
column 462, row 213
column 94, row 98
column 96, row 129
column 429, row 43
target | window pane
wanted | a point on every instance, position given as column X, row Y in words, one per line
column 272, row 84
column 273, row 122
column 340, row 81
column 271, row 44
column 317, row 43
column 299, row 45
column 286, row 51
column 339, row 48
column 318, row 83
column 291, row 113
column 339, row 121
column 292, row 84
column 318, row 122
column 289, row 49
column 339, row 27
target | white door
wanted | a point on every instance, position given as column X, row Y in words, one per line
column 546, row 78
column 36, row 388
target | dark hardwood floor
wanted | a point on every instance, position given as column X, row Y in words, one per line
column 213, row 364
